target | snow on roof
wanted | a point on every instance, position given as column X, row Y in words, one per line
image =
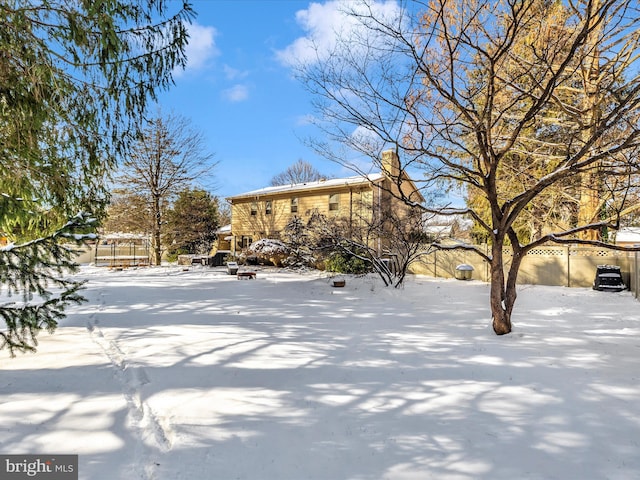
column 224, row 229
column 628, row 234
column 438, row 229
column 447, row 221
column 333, row 182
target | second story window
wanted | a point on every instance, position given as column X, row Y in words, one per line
column 267, row 207
column 334, row 201
column 254, row 208
column 294, row 205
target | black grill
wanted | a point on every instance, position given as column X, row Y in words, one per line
column 608, row 279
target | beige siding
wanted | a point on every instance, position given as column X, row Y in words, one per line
column 266, row 214
column 352, row 203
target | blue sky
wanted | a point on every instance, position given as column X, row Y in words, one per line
column 240, row 93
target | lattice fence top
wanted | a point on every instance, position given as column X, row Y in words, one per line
column 551, row 252
column 592, row 252
column 572, row 251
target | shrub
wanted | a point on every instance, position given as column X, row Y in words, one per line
column 339, row 262
column 267, row 251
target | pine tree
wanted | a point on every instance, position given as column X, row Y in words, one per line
column 75, row 80
column 192, row 222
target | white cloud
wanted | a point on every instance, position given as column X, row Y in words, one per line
column 325, row 23
column 237, row 93
column 234, row 74
column 201, row 47
column 367, row 139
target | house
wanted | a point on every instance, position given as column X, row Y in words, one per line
column 224, row 238
column 439, row 227
column 628, row 237
column 264, row 213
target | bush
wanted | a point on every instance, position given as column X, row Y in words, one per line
column 267, row 251
column 172, row 255
column 254, row 260
column 339, row 262
column 303, row 261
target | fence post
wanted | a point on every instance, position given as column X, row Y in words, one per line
column 435, row 263
column 568, row 265
column 636, row 274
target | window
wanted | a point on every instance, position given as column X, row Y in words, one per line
column 254, row 208
column 294, row 205
column 267, row 207
column 334, row 201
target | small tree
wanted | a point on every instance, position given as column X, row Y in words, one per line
column 168, row 157
column 192, row 222
column 386, row 242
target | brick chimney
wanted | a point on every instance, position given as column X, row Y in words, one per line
column 390, row 164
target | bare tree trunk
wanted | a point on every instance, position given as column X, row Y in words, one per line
column 500, row 315
column 157, row 230
column 503, row 289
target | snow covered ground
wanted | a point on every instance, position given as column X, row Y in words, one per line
column 169, row 374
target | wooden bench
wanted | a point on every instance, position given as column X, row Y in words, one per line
column 246, row 275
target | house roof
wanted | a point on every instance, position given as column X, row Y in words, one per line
column 224, row 229
column 321, row 184
column 628, row 235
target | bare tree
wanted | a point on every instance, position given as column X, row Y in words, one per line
column 299, row 172
column 169, row 157
column 387, row 241
column 462, row 90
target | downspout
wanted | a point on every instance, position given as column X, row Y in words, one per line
column 232, row 234
column 379, row 219
column 351, row 213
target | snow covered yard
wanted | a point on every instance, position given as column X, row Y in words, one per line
column 169, row 374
